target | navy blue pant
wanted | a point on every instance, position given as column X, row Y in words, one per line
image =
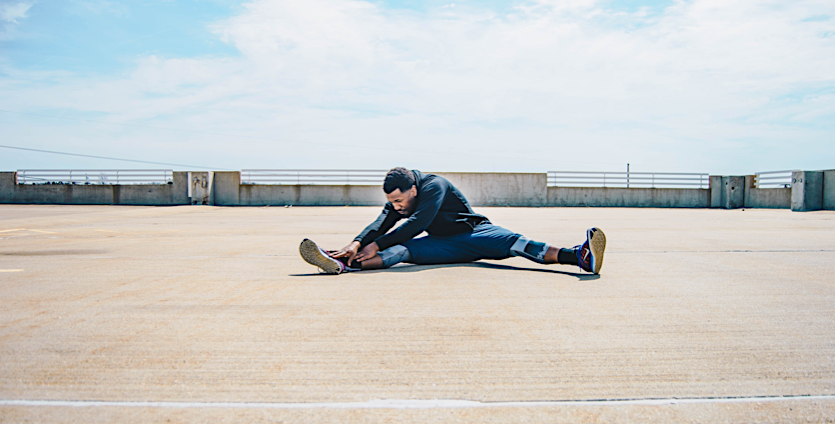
column 487, row 241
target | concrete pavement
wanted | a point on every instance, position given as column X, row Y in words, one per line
column 194, row 305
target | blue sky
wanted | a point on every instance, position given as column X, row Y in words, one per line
column 105, row 38
column 695, row 86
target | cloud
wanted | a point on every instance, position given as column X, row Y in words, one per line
column 12, row 11
column 544, row 85
column 10, row 14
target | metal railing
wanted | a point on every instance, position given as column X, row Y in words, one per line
column 628, row 179
column 94, row 176
column 773, row 179
column 313, row 176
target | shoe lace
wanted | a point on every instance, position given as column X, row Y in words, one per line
column 583, row 254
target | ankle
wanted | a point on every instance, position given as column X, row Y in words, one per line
column 567, row 256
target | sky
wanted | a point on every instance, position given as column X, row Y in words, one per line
column 714, row 86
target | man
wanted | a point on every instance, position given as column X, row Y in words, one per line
column 456, row 234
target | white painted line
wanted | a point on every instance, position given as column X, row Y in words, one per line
column 11, row 270
column 407, row 404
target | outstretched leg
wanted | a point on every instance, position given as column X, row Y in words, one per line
column 588, row 256
column 318, row 257
column 542, row 253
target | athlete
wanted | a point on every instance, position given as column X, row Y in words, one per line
column 456, row 234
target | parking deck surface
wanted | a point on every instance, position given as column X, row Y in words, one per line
column 208, row 314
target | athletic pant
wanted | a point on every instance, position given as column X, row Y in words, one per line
column 486, row 241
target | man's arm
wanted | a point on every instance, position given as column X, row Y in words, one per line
column 429, row 203
column 380, row 226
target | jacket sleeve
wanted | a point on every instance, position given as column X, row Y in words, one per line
column 380, row 226
column 429, row 203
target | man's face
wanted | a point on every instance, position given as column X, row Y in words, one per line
column 404, row 203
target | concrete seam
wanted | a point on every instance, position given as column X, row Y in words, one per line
column 409, row 403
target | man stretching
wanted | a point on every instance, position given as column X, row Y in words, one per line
column 456, row 234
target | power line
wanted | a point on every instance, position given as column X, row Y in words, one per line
column 105, row 157
column 239, row 136
column 305, row 143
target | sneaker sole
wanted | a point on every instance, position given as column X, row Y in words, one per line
column 597, row 244
column 311, row 254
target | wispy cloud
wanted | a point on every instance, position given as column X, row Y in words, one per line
column 12, row 11
column 10, row 15
column 697, row 84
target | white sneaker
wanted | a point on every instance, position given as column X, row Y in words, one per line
column 315, row 256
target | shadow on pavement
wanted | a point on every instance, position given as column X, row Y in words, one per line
column 417, row 268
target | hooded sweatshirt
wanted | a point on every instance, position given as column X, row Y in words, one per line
column 441, row 211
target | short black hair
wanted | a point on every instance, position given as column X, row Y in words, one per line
column 399, row 178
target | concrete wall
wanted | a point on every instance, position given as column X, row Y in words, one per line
column 807, row 190
column 308, row 195
column 829, row 189
column 629, row 197
column 771, row 198
column 226, row 188
column 481, row 189
column 500, row 189
column 77, row 194
column 715, row 191
column 201, row 187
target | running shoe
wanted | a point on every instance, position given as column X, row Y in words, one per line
column 590, row 253
column 317, row 257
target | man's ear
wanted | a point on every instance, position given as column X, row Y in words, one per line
column 414, row 190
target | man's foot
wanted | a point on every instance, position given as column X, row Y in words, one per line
column 590, row 253
column 315, row 256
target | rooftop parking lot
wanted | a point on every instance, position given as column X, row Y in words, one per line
column 200, row 313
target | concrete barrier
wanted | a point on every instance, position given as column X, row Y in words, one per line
column 732, row 192
column 8, row 182
column 807, row 190
column 829, row 189
column 310, row 195
column 812, row 190
column 768, row 198
column 105, row 194
column 227, row 188
column 500, row 189
column 201, row 187
column 228, row 191
column 629, row 197
column 715, row 191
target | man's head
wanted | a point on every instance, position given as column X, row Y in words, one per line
column 401, row 190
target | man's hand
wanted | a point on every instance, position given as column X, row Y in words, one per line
column 350, row 251
column 368, row 252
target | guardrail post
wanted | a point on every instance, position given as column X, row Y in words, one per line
column 807, row 191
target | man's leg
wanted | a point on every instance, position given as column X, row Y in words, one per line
column 588, row 256
column 486, row 241
column 543, row 253
column 384, row 259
